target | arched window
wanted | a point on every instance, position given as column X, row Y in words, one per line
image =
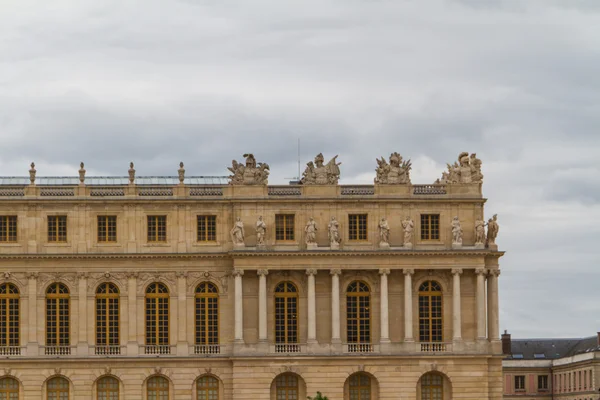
column 360, row 387
column 432, row 387
column 286, row 313
column 207, row 314
column 9, row 389
column 358, row 313
column 157, row 315
column 57, row 315
column 107, row 318
column 108, row 388
column 430, row 312
column 207, row 388
column 286, row 387
column 158, row 388
column 57, row 389
column 9, row 315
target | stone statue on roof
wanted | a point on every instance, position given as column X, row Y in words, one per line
column 466, row 170
column 320, row 173
column 396, row 172
column 252, row 173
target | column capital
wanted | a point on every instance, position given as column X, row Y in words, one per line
column 456, row 271
column 494, row 272
column 260, row 272
column 480, row 271
column 237, row 272
column 384, row 271
column 335, row 271
column 311, row 271
column 408, row 271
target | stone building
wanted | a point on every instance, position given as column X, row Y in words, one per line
column 197, row 288
column 561, row 369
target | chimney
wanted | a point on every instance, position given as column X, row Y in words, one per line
column 506, row 346
column 598, row 339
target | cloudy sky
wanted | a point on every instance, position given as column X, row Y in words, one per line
column 159, row 82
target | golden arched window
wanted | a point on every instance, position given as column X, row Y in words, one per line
column 286, row 313
column 107, row 316
column 207, row 388
column 432, row 387
column 286, row 387
column 207, row 314
column 57, row 389
column 157, row 315
column 9, row 315
column 157, row 388
column 57, row 315
column 430, row 312
column 359, row 387
column 108, row 388
column 358, row 313
column 9, row 389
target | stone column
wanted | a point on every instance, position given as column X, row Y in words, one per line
column 493, row 312
column 239, row 306
column 312, row 310
column 132, row 342
column 262, row 304
column 456, row 306
column 32, row 340
column 335, row 306
column 408, row 308
column 182, row 343
column 82, row 345
column 383, row 306
column 480, row 272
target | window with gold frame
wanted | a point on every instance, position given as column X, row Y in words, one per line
column 357, row 227
column 8, row 228
column 57, row 315
column 207, row 388
column 430, row 226
column 286, row 387
column 358, row 312
column 285, row 227
column 432, row 387
column 157, row 228
column 9, row 315
column 107, row 228
column 57, row 228
column 207, row 228
column 157, row 388
column 107, row 388
column 286, row 313
column 430, row 312
column 207, row 314
column 359, row 386
column 57, row 389
column 107, row 315
column 157, row 315
column 9, row 389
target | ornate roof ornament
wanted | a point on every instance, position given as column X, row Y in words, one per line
column 131, row 173
column 81, row 173
column 319, row 174
column 181, row 172
column 252, row 173
column 466, row 170
column 32, row 173
column 394, row 173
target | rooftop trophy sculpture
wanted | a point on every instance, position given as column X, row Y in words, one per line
column 466, row 170
column 320, row 174
column 252, row 173
column 396, row 172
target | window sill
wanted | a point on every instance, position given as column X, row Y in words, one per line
column 10, row 244
column 158, row 244
column 206, row 244
column 58, row 244
column 109, row 244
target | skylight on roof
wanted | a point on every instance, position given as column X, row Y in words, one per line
column 539, row 355
column 517, row 355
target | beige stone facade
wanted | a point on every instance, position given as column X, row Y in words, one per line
column 396, row 350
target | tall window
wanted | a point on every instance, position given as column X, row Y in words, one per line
column 57, row 228
column 360, row 387
column 357, row 227
column 57, row 389
column 430, row 226
column 57, row 315
column 9, row 389
column 519, row 382
column 286, row 387
column 286, row 313
column 108, row 388
column 284, row 227
column 207, row 314
column 107, row 228
column 207, row 388
column 207, row 228
column 157, row 228
column 542, row 382
column 430, row 312
column 107, row 315
column 158, row 388
column 8, row 228
column 157, row 315
column 9, row 315
column 432, row 387
column 358, row 312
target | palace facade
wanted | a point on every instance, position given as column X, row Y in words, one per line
column 162, row 288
